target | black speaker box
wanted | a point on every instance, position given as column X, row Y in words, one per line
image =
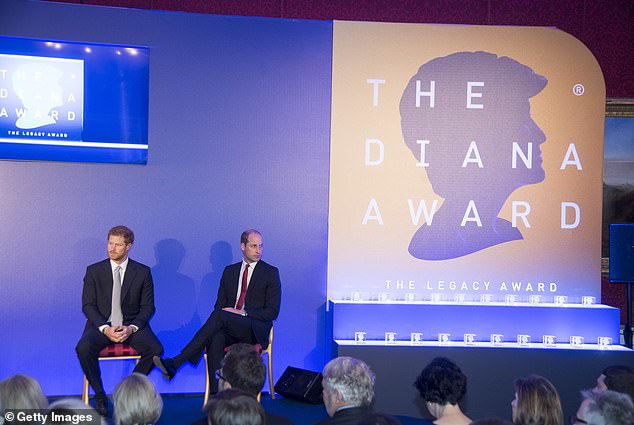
column 621, row 252
column 300, row 384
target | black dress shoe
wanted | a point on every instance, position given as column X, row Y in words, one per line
column 101, row 405
column 166, row 366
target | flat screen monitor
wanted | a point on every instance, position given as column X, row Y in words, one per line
column 73, row 101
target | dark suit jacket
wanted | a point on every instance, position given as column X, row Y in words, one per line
column 348, row 416
column 137, row 294
column 262, row 302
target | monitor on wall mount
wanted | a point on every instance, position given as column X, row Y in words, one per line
column 73, row 101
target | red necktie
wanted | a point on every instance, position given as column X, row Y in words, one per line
column 243, row 288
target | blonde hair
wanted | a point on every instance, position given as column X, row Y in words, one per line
column 538, row 402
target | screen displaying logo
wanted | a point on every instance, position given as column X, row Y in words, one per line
column 41, row 98
column 73, row 101
column 465, row 165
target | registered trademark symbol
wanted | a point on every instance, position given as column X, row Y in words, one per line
column 578, row 89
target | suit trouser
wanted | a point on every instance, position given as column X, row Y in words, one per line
column 221, row 330
column 92, row 342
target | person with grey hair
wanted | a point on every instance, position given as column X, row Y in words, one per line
column 136, row 401
column 348, row 391
column 21, row 392
column 605, row 408
column 71, row 411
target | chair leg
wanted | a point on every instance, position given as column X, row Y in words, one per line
column 206, row 397
column 84, row 392
column 271, row 386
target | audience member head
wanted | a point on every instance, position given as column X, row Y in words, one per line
column 443, row 385
column 347, row 382
column 608, row 408
column 234, row 407
column 617, row 378
column 136, row 401
column 21, row 392
column 242, row 368
column 442, row 382
column 73, row 408
column 536, row 402
column 377, row 418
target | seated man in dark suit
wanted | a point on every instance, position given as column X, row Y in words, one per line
column 348, row 390
column 243, row 369
column 118, row 301
column 248, row 301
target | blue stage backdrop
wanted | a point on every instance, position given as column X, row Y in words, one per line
column 239, row 137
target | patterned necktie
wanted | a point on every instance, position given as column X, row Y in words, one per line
column 243, row 288
column 116, row 316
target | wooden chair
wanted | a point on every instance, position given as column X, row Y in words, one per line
column 112, row 352
column 258, row 348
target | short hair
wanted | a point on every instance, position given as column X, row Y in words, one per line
column 73, row 406
column 442, row 382
column 244, row 369
column 538, row 402
column 244, row 237
column 608, row 408
column 136, row 401
column 620, row 378
column 352, row 379
column 21, row 392
column 128, row 235
column 234, row 407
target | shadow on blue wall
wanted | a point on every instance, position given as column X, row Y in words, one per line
column 220, row 256
column 176, row 319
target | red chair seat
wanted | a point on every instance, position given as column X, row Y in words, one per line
column 257, row 347
column 118, row 350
